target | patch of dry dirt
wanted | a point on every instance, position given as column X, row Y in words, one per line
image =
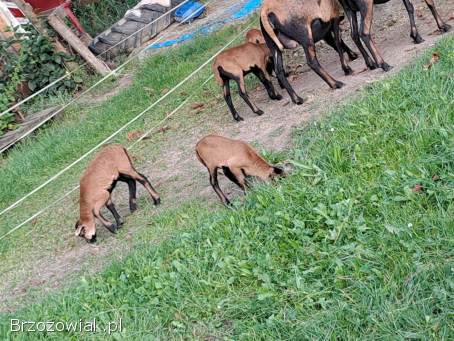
column 180, row 177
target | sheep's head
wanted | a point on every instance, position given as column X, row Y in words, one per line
column 86, row 231
column 255, row 36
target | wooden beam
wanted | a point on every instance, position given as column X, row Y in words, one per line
column 66, row 33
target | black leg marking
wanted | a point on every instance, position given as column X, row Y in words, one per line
column 132, row 195
column 215, row 184
column 267, row 84
column 413, row 30
column 145, row 182
column 228, row 173
column 352, row 18
column 228, row 99
column 337, row 45
column 111, row 207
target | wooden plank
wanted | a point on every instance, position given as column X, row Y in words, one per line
column 14, row 136
column 77, row 44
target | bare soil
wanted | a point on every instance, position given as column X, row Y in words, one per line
column 179, row 176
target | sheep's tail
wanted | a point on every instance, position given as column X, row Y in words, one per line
column 268, row 29
column 217, row 73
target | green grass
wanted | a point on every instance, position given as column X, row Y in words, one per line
column 340, row 249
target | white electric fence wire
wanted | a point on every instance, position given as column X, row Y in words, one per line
column 67, row 74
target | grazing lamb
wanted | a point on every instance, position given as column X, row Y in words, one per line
column 235, row 63
column 287, row 23
column 365, row 8
column 110, row 165
column 237, row 160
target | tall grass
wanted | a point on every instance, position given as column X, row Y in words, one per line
column 347, row 247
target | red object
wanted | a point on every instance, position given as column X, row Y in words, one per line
column 44, row 5
column 16, row 12
column 72, row 17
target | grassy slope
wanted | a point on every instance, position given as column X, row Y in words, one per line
column 341, row 248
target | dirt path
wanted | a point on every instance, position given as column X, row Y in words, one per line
column 180, row 176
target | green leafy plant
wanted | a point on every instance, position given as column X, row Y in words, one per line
column 35, row 66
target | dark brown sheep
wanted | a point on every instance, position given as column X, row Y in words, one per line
column 288, row 23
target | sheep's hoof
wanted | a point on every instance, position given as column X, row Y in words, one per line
column 386, row 67
column 445, row 28
column 338, row 85
column 277, row 97
column 238, row 118
column 417, row 39
column 157, row 201
column 112, row 228
column 259, row 112
column 93, row 239
column 297, row 100
column 348, row 71
column 371, row 65
column 133, row 207
column 353, row 56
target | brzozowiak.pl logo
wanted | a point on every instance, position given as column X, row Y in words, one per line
column 80, row 326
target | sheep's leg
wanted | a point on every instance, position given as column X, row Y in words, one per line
column 352, row 18
column 270, row 69
column 102, row 200
column 228, row 100
column 336, row 44
column 266, row 81
column 352, row 55
column 143, row 180
column 411, row 14
column 367, row 11
column 111, row 207
column 132, row 195
column 237, row 180
column 440, row 23
column 309, row 48
column 283, row 82
column 243, row 94
column 279, row 68
column 215, row 184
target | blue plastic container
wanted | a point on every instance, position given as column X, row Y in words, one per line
column 189, row 11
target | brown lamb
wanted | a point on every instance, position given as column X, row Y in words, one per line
column 110, row 165
column 237, row 62
column 236, row 158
